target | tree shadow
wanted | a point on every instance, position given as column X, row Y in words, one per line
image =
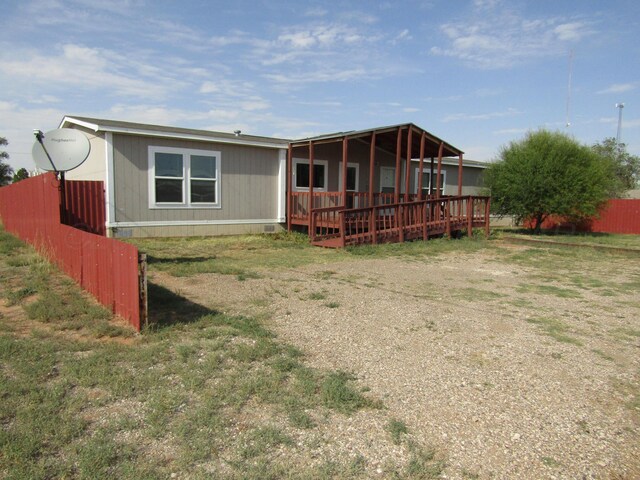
column 167, row 308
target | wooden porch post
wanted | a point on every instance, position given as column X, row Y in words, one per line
column 310, row 203
column 396, row 193
column 372, row 158
column 345, row 145
column 487, row 217
column 421, row 165
column 289, row 186
column 407, row 173
column 372, row 214
column 431, row 179
column 469, row 216
column 460, row 175
column 439, row 177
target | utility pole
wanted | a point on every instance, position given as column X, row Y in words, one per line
column 619, row 106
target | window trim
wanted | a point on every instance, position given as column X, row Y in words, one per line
column 186, row 178
column 305, row 161
column 349, row 165
column 443, row 173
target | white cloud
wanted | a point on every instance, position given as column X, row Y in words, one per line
column 619, row 88
column 86, row 68
column 510, row 112
column 494, row 38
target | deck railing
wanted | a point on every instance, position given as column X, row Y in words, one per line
column 397, row 222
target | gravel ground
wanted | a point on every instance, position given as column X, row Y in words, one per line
column 508, row 372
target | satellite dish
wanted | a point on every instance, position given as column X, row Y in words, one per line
column 60, row 150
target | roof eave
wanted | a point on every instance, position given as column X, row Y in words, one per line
column 176, row 135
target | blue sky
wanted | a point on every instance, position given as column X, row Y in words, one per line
column 477, row 73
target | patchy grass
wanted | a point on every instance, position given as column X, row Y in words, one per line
column 554, row 328
column 200, row 392
column 542, row 289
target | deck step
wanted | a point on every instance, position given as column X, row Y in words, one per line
column 335, row 242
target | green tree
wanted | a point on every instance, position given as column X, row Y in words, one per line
column 625, row 165
column 20, row 175
column 6, row 172
column 548, row 173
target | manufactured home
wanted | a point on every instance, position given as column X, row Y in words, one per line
column 385, row 184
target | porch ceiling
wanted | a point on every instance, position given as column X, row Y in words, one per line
column 386, row 139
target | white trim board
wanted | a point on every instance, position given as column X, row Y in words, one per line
column 186, row 223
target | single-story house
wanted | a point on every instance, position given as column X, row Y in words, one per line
column 169, row 181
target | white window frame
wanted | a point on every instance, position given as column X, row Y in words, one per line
column 186, row 178
column 349, row 165
column 443, row 174
column 393, row 169
column 305, row 161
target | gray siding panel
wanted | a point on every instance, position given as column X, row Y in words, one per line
column 248, row 182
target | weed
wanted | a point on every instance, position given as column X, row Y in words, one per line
column 338, row 394
column 317, row 296
column 332, row 305
column 397, row 429
column 550, row 462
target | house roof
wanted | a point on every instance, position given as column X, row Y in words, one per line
column 386, row 139
column 116, row 126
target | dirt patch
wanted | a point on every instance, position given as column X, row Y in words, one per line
column 511, row 369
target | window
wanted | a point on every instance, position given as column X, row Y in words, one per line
column 183, row 178
column 426, row 181
column 387, row 179
column 301, row 174
column 353, row 169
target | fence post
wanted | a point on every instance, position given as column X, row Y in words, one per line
column 143, row 290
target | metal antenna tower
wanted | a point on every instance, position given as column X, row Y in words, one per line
column 568, row 123
column 619, row 106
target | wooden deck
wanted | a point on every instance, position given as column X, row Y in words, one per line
column 336, row 226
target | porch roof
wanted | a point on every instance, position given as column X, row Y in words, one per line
column 386, row 139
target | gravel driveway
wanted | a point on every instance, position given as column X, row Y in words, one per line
column 509, row 366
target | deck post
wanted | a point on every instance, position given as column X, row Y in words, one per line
column 487, row 217
column 400, row 222
column 470, row 216
column 372, row 159
column 343, row 228
column 289, row 186
column 447, row 217
column 407, row 173
column 373, row 225
column 343, row 187
column 439, row 177
column 421, row 165
column 460, row 172
column 425, row 217
column 311, row 180
column 396, row 187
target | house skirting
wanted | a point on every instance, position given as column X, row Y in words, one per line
column 185, row 229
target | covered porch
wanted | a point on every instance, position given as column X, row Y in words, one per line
column 379, row 185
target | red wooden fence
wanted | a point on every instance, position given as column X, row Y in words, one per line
column 619, row 215
column 85, row 205
column 105, row 267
